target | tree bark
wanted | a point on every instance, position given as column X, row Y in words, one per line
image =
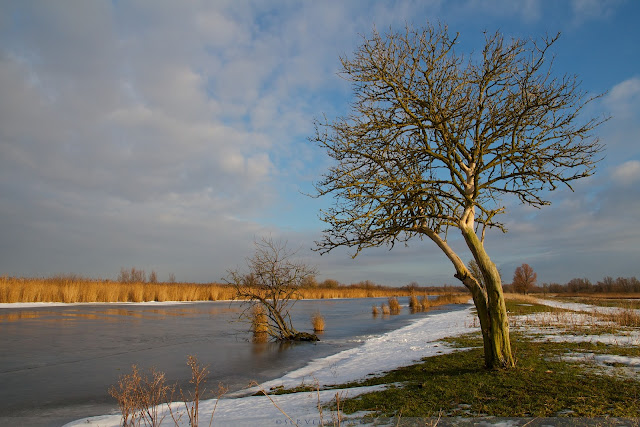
column 491, row 307
column 489, row 301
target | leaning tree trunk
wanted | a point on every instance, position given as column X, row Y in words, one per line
column 489, row 302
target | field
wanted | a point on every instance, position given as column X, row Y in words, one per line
column 569, row 364
column 82, row 290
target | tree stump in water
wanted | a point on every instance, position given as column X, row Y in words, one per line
column 304, row 336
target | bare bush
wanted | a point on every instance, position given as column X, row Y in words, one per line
column 273, row 281
column 139, row 397
column 133, row 275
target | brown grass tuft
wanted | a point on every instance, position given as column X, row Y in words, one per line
column 414, row 304
column 385, row 309
column 375, row 311
column 259, row 323
column 425, row 303
column 317, row 320
column 394, row 305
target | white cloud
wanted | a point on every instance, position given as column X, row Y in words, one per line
column 586, row 10
column 627, row 173
column 624, row 98
column 167, row 131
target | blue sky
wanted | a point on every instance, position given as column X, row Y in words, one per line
column 170, row 135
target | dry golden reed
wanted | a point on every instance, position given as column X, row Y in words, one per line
column 375, row 311
column 451, row 298
column 73, row 289
column 414, row 305
column 394, row 305
column 317, row 321
column 385, row 309
column 78, row 290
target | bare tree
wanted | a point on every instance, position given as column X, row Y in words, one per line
column 273, row 281
column 524, row 279
column 434, row 140
column 132, row 276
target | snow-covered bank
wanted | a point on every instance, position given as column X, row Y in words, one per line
column 377, row 354
column 577, row 306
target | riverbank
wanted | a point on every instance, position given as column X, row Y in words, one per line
column 81, row 290
column 594, row 360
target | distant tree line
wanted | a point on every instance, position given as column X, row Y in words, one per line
column 136, row 275
column 584, row 285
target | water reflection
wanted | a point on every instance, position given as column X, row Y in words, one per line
column 59, row 357
column 108, row 315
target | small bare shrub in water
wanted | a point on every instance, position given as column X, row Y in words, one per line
column 317, row 320
column 385, row 309
column 414, row 305
column 375, row 311
column 394, row 305
column 259, row 324
column 425, row 303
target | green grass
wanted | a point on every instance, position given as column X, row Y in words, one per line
column 542, row 385
column 517, row 308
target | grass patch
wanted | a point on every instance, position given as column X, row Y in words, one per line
column 541, row 385
column 518, row 308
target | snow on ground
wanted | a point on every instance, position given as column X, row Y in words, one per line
column 287, row 409
column 394, row 349
column 576, row 306
column 622, row 338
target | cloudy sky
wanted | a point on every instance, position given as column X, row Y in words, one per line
column 170, row 135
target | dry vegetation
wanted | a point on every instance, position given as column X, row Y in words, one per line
column 141, row 396
column 259, row 323
column 317, row 321
column 73, row 289
column 394, row 305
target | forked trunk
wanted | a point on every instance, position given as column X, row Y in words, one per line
column 489, row 302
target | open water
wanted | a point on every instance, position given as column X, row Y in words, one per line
column 57, row 363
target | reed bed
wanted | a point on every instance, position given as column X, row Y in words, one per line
column 73, row 289
column 13, row 290
column 509, row 296
column 451, row 298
